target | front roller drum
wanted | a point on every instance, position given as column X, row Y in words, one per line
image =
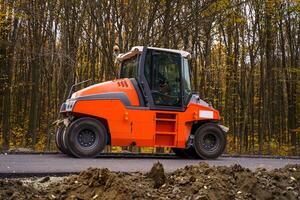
column 85, row 137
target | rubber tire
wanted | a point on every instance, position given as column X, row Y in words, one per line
column 64, row 144
column 218, row 133
column 59, row 140
column 70, row 137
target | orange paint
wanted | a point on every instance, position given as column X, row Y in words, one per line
column 121, row 85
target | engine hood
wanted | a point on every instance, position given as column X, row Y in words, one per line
column 205, row 110
column 99, row 88
column 123, row 86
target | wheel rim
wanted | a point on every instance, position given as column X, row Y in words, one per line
column 86, row 138
column 210, row 142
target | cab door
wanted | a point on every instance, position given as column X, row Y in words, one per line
column 160, row 77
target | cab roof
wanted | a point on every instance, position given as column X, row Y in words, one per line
column 138, row 50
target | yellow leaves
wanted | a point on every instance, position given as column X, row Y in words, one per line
column 216, row 7
column 239, row 20
column 40, row 146
column 294, row 70
column 126, row 2
column 225, row 8
column 116, row 149
column 268, row 147
column 18, row 133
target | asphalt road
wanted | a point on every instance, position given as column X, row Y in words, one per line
column 12, row 165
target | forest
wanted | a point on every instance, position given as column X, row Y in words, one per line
column 246, row 62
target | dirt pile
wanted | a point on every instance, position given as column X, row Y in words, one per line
column 200, row 182
column 157, row 173
column 235, row 182
column 15, row 189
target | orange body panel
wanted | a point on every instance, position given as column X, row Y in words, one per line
column 145, row 127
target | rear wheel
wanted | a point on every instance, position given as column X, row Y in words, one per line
column 209, row 141
column 59, row 140
column 86, row 137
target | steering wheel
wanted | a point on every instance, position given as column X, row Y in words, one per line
column 169, row 100
column 156, row 92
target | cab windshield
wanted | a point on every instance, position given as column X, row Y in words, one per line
column 129, row 68
column 187, row 90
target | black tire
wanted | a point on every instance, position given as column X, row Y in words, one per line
column 85, row 137
column 64, row 144
column 209, row 141
column 59, row 140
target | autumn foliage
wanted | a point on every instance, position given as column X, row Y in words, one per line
column 246, row 61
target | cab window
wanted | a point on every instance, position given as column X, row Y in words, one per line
column 129, row 68
column 162, row 71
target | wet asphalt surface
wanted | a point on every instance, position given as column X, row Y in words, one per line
column 13, row 165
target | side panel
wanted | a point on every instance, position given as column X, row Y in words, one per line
column 143, row 126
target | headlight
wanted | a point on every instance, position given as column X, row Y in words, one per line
column 69, row 105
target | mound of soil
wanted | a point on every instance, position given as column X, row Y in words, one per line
column 15, row 189
column 200, row 182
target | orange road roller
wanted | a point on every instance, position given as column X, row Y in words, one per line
column 150, row 105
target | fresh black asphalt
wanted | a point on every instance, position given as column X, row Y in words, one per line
column 14, row 165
